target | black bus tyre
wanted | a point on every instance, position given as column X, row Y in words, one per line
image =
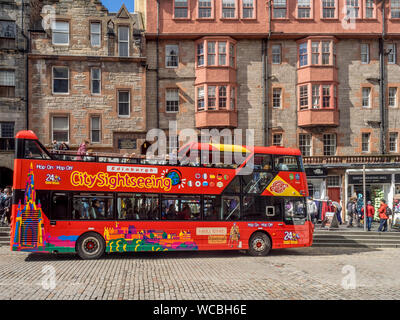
column 259, row 244
column 90, row 246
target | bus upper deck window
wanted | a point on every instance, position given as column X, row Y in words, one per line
column 262, row 162
column 286, row 163
column 34, row 151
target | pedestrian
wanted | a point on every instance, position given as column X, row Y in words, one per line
column 82, row 150
column 370, row 214
column 382, row 216
column 352, row 211
column 6, row 203
column 312, row 209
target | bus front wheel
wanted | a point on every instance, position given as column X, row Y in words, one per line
column 91, row 245
column 260, row 244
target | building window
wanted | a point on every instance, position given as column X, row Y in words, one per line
column 303, row 56
column 171, row 56
column 200, row 54
column 279, row 8
column 200, row 98
column 315, row 96
column 222, row 97
column 60, row 32
column 60, row 80
column 392, row 56
column 369, row 8
column 304, row 97
column 7, row 129
column 96, row 80
column 233, row 98
column 365, row 142
column 365, row 53
column 277, row 98
column 211, row 53
column 333, row 181
column 352, row 8
column 95, row 129
column 326, row 96
column 228, row 8
column 172, row 100
column 393, row 97
column 221, row 53
column 181, row 9
column 248, row 9
column 231, row 55
column 60, row 128
column 326, row 52
column 95, row 34
column 123, row 41
column 277, row 139
column 329, row 141
column 305, row 144
column 124, row 103
column 7, row 83
column 328, row 9
column 205, row 8
column 395, row 8
column 276, row 54
column 7, row 34
column 366, row 97
column 315, row 52
column 212, row 98
column 304, row 8
column 393, row 141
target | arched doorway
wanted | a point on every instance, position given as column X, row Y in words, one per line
column 6, row 177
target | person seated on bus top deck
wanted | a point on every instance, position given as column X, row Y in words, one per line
column 281, row 165
column 143, row 212
column 186, row 213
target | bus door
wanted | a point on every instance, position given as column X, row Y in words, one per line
column 59, row 219
column 295, row 222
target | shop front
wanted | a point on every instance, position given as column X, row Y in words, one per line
column 379, row 184
column 316, row 182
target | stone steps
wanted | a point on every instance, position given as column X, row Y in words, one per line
column 4, row 236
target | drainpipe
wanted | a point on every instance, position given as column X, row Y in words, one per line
column 157, row 64
column 265, row 80
column 26, row 51
column 382, row 95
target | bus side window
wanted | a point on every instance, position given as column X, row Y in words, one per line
column 59, row 206
column 273, row 209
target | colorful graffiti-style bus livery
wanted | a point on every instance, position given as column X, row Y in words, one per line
column 108, row 204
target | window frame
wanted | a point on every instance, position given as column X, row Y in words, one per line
column 274, row 98
column 228, row 7
column 92, row 80
column 275, row 54
column 280, row 7
column 120, row 27
column 330, row 8
column 393, row 53
column 167, row 96
column 99, row 34
column 394, row 143
column 55, row 31
column 245, row 6
column 169, row 57
column 327, row 137
column 119, row 102
column 210, row 8
column 93, row 116
column 395, row 9
column 365, row 54
column 175, row 7
column 307, row 146
column 392, row 98
column 364, row 89
column 309, row 7
column 366, row 144
column 53, row 80
column 9, row 88
column 53, row 116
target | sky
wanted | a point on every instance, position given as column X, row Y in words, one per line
column 115, row 5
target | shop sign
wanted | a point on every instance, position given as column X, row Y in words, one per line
column 126, row 143
column 316, row 172
column 370, row 178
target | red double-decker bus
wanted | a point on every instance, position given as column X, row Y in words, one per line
column 98, row 203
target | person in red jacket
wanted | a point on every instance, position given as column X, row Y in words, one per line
column 382, row 216
column 370, row 214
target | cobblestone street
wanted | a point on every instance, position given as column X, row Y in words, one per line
column 306, row 273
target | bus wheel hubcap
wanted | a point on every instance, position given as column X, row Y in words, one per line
column 259, row 244
column 90, row 245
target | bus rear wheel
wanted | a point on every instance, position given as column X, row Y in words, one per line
column 259, row 244
column 90, row 246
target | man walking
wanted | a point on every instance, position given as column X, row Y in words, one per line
column 370, row 214
column 352, row 211
column 383, row 216
column 312, row 209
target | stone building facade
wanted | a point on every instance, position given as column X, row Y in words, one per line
column 14, row 25
column 87, row 72
column 322, row 76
